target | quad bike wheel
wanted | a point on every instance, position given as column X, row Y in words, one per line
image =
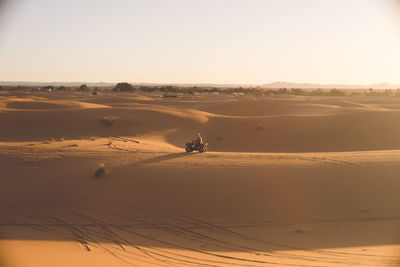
column 188, row 149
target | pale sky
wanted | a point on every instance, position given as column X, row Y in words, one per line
column 201, row 41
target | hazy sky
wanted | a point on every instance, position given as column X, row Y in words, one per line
column 201, row 41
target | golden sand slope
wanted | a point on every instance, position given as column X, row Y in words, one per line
column 289, row 181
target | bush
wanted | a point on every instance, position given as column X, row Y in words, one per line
column 100, row 170
column 83, row 88
column 355, row 93
column 148, row 89
column 335, row 92
column 124, row 87
column 387, row 92
column 318, row 92
column 296, row 91
column 109, row 120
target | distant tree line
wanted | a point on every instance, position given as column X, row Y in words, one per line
column 126, row 87
column 171, row 89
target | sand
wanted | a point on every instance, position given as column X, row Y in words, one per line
column 287, row 180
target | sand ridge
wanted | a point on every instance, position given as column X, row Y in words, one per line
column 46, row 104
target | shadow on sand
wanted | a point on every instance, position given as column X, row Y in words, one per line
column 159, row 159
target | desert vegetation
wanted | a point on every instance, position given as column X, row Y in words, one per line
column 196, row 90
column 258, row 91
column 109, row 120
column 124, row 87
column 100, row 171
column 62, row 88
column 83, row 88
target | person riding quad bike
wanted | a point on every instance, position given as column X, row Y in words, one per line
column 198, row 140
column 196, row 144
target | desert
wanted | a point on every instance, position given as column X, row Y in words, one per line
column 199, row 133
column 288, row 180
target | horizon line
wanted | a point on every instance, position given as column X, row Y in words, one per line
column 4, row 82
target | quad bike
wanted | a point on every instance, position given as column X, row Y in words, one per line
column 190, row 147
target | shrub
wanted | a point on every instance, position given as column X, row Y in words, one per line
column 318, row 92
column 355, row 93
column 148, row 89
column 282, row 91
column 109, row 120
column 335, row 92
column 48, row 87
column 100, row 170
column 296, row 91
column 124, row 87
column 83, row 88
column 387, row 92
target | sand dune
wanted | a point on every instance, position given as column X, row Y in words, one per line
column 344, row 132
column 294, row 130
column 28, row 104
column 288, row 181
